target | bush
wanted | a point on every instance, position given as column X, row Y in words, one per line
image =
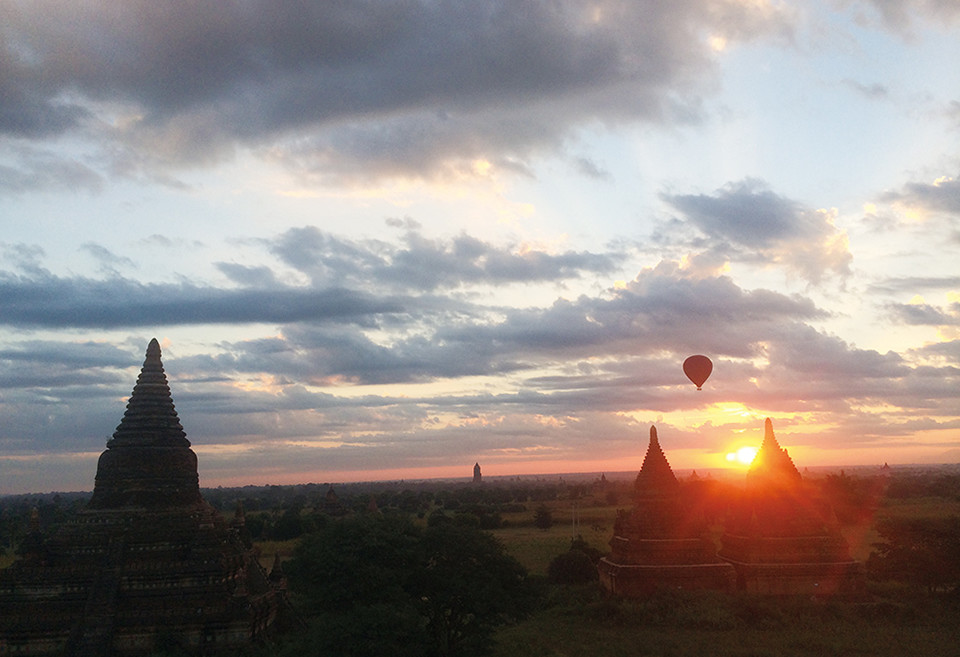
column 572, row 567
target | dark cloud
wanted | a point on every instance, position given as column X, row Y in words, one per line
column 942, row 196
column 403, row 86
column 749, row 216
column 923, row 314
column 661, row 311
column 425, row 264
column 51, row 301
column 949, row 350
column 248, row 276
column 350, row 280
column 34, row 170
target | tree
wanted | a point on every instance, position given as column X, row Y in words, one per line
column 466, row 585
column 921, row 551
column 542, row 517
column 378, row 585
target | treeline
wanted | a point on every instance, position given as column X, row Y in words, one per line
column 283, row 513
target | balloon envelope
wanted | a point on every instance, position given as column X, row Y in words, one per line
column 697, row 368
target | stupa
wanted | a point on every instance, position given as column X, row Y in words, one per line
column 148, row 565
column 782, row 539
column 662, row 543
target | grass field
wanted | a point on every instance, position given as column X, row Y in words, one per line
column 535, row 548
column 581, row 622
column 895, row 621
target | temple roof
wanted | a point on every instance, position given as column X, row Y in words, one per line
column 772, row 462
column 656, row 476
column 150, row 417
column 148, row 462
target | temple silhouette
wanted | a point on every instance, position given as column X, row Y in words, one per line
column 783, row 539
column 148, row 564
column 779, row 538
column 663, row 542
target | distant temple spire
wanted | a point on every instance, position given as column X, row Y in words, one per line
column 477, row 476
column 148, row 462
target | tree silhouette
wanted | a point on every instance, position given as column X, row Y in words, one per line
column 381, row 585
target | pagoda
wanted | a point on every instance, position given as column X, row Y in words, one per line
column 148, row 565
column 663, row 542
column 783, row 540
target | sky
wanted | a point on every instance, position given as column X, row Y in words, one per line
column 388, row 239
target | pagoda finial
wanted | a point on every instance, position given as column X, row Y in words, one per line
column 768, row 431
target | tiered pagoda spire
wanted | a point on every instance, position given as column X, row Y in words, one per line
column 780, row 539
column 147, row 561
column 656, row 477
column 661, row 542
column 148, row 462
column 150, row 418
column 772, row 465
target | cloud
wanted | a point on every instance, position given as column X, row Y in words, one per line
column 569, row 381
column 430, row 264
column 51, row 301
column 923, row 314
column 900, row 15
column 875, row 91
column 355, row 282
column 942, row 195
column 914, row 284
column 34, row 170
column 591, row 169
column 110, row 263
column 401, row 88
column 755, row 221
column 661, row 310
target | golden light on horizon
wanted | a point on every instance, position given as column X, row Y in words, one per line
column 743, row 456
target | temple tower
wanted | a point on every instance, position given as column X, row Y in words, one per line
column 148, row 462
column 783, row 540
column 662, row 543
column 148, row 561
column 477, row 477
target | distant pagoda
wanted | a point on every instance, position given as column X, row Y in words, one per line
column 782, row 540
column 477, row 475
column 148, row 564
column 662, row 543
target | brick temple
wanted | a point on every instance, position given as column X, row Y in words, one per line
column 663, row 542
column 148, row 565
column 782, row 539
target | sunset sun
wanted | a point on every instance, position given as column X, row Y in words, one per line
column 743, row 456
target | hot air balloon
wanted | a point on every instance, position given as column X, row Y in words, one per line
column 698, row 368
